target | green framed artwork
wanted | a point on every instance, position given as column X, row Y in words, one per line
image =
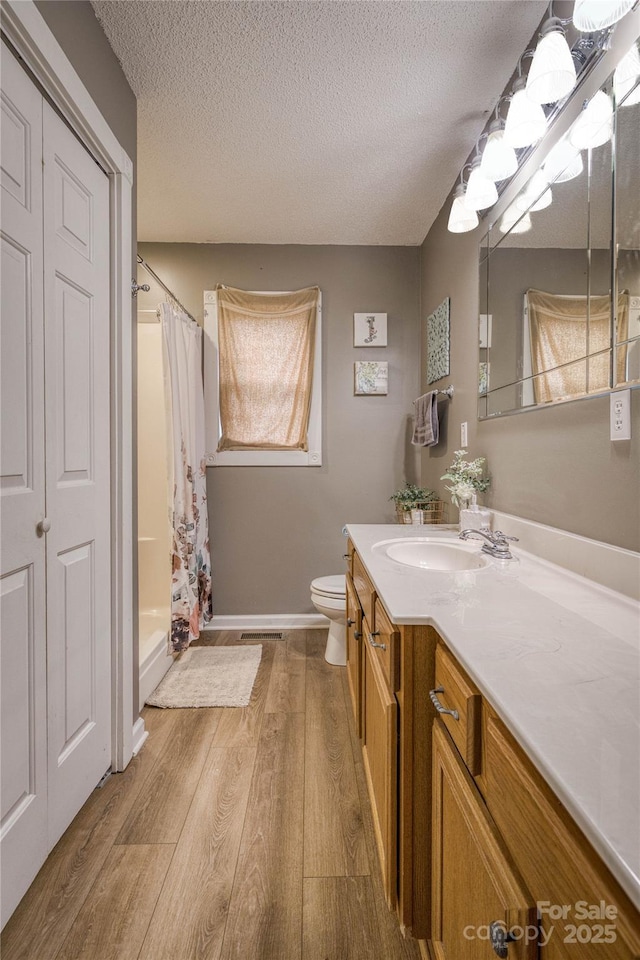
column 438, row 343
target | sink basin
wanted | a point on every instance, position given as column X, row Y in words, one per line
column 431, row 553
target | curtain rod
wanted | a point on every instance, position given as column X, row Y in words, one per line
column 143, row 263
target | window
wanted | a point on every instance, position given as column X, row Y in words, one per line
column 263, row 377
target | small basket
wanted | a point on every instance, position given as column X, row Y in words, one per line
column 432, row 511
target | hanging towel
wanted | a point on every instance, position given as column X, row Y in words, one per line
column 426, row 430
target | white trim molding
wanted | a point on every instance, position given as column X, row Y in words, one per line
column 269, row 621
column 139, row 736
column 30, row 36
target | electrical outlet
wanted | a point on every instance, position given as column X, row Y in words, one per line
column 463, row 434
column 620, row 415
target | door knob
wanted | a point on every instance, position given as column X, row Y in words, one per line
column 43, row 526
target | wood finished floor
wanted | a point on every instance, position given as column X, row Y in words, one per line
column 236, row 833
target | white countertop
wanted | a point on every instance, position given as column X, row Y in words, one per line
column 557, row 656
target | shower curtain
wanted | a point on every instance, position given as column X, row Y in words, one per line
column 191, row 597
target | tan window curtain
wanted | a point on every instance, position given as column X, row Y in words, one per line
column 558, row 331
column 266, row 344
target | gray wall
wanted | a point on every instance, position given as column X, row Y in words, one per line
column 273, row 529
column 555, row 465
column 77, row 30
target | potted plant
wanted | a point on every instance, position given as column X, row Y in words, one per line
column 410, row 497
column 466, row 478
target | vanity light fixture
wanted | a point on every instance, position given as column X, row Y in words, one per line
column 514, row 221
column 536, row 195
column 461, row 219
column 526, row 122
column 499, row 160
column 552, row 74
column 592, row 15
column 594, row 126
column 481, row 192
column 563, row 163
column 626, row 78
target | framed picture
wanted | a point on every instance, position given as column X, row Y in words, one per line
column 370, row 378
column 369, row 329
column 438, row 343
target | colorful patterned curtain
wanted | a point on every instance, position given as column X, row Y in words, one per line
column 191, row 597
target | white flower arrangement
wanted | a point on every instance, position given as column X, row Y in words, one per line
column 466, row 477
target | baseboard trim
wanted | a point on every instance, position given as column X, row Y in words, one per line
column 284, row 621
column 139, row 736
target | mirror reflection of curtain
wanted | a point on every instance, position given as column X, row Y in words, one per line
column 562, row 338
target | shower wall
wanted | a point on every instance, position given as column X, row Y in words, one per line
column 154, row 573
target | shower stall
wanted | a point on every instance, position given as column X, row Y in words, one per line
column 154, row 532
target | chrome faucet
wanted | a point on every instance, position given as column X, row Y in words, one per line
column 496, row 542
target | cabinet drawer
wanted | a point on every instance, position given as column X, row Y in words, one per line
column 456, row 694
column 365, row 590
column 384, row 643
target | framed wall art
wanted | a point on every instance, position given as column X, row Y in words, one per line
column 369, row 329
column 370, row 378
column 438, row 343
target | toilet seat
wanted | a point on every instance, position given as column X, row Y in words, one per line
column 334, row 587
column 322, row 603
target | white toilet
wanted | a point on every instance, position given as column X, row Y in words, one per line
column 329, row 596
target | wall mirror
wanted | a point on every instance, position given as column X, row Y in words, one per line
column 550, row 328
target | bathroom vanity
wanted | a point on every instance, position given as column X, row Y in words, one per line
column 497, row 707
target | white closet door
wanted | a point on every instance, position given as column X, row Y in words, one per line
column 77, row 342
column 23, row 780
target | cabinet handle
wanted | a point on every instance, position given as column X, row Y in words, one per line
column 43, row 526
column 357, row 634
column 500, row 937
column 345, row 556
column 350, row 622
column 380, row 646
column 434, row 700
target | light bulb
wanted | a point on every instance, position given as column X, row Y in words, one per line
column 626, row 78
column 563, row 163
column 594, row 126
column 591, row 15
column 536, row 195
column 526, row 122
column 513, row 221
column 481, row 192
column 553, row 73
column 461, row 219
column 499, row 161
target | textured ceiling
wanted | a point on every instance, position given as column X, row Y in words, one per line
column 308, row 122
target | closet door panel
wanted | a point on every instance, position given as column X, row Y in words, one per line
column 23, row 774
column 77, row 346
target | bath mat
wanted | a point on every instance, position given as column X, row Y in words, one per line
column 209, row 677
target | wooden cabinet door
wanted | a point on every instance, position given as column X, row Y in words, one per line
column 477, row 894
column 380, row 753
column 354, row 654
